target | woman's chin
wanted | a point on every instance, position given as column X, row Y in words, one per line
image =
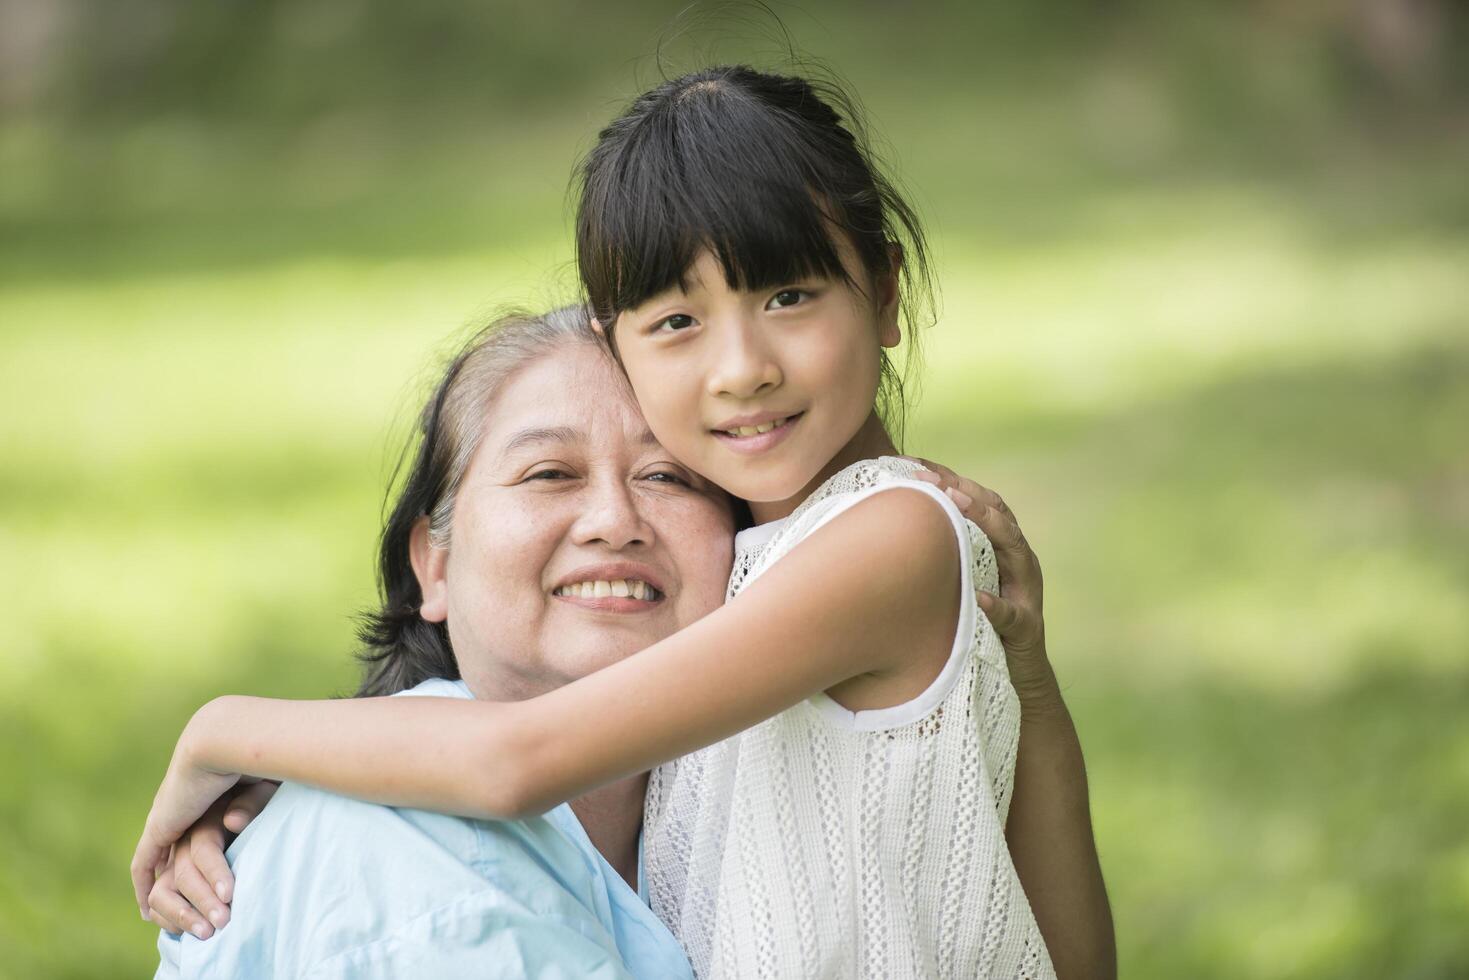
column 614, row 649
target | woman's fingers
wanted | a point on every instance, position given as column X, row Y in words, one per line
column 173, row 912
column 1003, row 614
column 197, row 889
column 944, row 478
column 247, row 804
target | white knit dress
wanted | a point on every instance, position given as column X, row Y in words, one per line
column 830, row 843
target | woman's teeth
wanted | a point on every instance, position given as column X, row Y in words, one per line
column 621, row 588
column 755, row 430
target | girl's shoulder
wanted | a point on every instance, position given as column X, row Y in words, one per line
column 760, row 546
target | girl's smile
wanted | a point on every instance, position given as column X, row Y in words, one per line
column 764, row 391
column 758, row 433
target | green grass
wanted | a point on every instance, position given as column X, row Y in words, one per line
column 1227, row 401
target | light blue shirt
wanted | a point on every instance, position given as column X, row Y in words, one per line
column 327, row 887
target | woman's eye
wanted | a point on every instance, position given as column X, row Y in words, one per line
column 786, row 297
column 665, row 477
column 679, row 321
column 549, row 474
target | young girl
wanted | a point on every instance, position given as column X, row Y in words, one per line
column 835, row 747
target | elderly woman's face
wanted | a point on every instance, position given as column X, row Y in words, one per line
column 576, row 539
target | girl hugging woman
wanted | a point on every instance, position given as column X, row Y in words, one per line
column 833, row 750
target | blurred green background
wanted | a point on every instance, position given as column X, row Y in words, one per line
column 1205, row 323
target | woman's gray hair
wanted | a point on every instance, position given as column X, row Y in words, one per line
column 489, row 360
column 400, row 648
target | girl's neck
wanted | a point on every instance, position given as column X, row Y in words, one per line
column 872, row 440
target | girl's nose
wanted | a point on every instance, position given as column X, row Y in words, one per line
column 611, row 517
column 744, row 366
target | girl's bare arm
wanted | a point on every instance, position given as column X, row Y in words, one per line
column 876, row 591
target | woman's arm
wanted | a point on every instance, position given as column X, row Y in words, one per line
column 1050, row 836
column 874, row 592
column 1049, row 829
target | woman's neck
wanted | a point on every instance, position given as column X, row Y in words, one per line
column 612, row 816
column 872, row 440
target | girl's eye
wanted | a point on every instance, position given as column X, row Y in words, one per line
column 787, row 297
column 679, row 321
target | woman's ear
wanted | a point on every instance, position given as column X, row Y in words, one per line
column 889, row 333
column 430, row 565
column 596, row 325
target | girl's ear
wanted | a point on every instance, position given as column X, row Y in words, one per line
column 596, row 325
column 430, row 565
column 889, row 333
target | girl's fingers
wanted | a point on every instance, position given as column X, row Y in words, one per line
column 163, row 885
column 247, row 804
column 174, row 911
column 167, row 926
column 196, row 889
column 206, row 854
column 148, row 861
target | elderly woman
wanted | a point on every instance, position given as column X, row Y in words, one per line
column 536, row 487
column 542, row 534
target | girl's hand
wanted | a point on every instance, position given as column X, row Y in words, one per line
column 193, row 893
column 187, row 792
column 1016, row 612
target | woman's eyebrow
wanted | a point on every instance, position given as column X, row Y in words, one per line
column 536, row 436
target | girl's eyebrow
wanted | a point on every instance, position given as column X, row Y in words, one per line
column 536, row 436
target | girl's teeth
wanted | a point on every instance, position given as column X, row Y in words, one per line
column 755, row 430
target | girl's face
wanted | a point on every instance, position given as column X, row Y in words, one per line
column 762, row 392
column 577, row 539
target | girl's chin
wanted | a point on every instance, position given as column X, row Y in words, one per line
column 768, row 488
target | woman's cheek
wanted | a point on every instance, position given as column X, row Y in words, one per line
column 702, row 538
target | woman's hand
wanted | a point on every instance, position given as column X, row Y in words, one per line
column 1016, row 612
column 1049, row 829
column 187, row 792
column 194, row 891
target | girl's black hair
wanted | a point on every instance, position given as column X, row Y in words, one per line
column 758, row 168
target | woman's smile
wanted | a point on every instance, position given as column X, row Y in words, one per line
column 617, row 587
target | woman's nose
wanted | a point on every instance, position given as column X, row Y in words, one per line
column 744, row 366
column 611, row 516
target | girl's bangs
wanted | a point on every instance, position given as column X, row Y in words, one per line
column 733, row 184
